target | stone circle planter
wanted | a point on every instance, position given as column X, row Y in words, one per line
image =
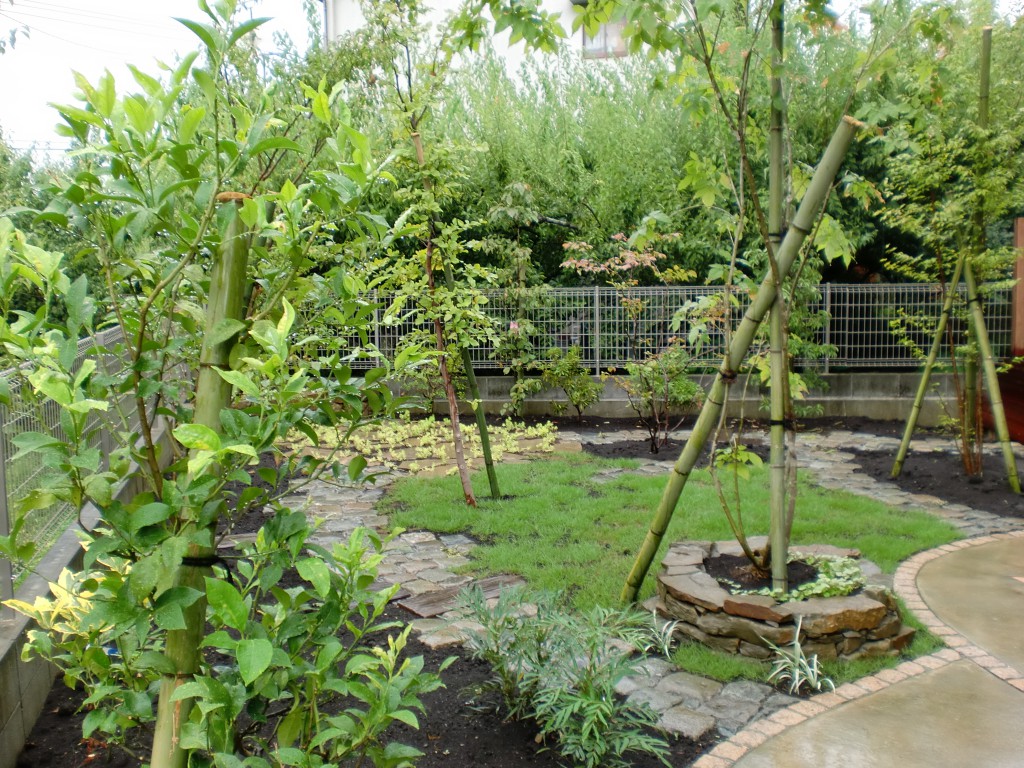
column 855, row 626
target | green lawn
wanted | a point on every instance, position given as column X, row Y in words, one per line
column 565, row 528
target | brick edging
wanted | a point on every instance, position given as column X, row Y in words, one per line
column 726, row 753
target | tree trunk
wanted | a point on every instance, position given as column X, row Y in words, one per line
column 442, row 351
column 807, row 213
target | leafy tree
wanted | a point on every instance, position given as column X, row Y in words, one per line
column 203, row 261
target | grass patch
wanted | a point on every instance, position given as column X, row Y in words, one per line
column 566, row 525
column 702, row 660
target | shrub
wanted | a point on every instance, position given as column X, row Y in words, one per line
column 659, row 389
column 274, row 654
column 565, row 371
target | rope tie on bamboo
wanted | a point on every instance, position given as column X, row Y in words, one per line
column 204, row 561
column 208, row 561
column 784, row 423
column 728, row 376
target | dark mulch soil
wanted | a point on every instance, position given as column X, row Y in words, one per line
column 731, row 570
column 943, row 475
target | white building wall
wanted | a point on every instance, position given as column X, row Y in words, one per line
column 343, row 16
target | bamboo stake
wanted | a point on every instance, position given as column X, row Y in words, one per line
column 991, row 379
column 213, row 394
column 778, row 536
column 995, row 396
column 478, row 409
column 929, row 364
column 801, row 226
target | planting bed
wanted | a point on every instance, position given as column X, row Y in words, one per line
column 461, row 726
column 854, row 626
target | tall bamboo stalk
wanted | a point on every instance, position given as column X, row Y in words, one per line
column 226, row 302
column 801, row 226
column 778, row 535
column 929, row 364
column 442, row 348
column 995, row 396
column 988, row 363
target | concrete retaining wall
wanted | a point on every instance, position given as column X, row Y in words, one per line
column 24, row 685
column 881, row 396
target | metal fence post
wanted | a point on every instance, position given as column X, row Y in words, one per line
column 376, row 319
column 6, row 567
column 597, row 331
column 828, row 320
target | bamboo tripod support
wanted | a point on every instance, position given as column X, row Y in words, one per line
column 977, row 328
column 802, row 223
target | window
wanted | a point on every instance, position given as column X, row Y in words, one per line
column 606, row 43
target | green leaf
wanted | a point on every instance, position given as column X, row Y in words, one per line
column 241, row 381
column 227, row 602
column 224, row 330
column 206, row 82
column 356, row 467
column 197, row 437
column 275, row 142
column 407, row 717
column 290, row 728
column 104, row 97
column 190, row 120
column 156, row 661
column 146, row 515
column 253, row 658
column 245, row 28
column 30, row 442
column 207, row 34
column 317, row 573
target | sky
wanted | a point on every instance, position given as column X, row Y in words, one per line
column 89, row 36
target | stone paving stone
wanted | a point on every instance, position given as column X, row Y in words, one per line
column 659, row 701
column 686, row 721
column 710, row 761
column 729, row 750
column 692, row 689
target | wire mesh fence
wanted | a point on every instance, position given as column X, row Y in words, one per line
column 852, row 326
column 861, row 326
column 21, row 475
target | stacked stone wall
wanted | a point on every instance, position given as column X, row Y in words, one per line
column 855, row 626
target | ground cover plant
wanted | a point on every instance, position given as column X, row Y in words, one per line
column 424, row 444
column 569, row 522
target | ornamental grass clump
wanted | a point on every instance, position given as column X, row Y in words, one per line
column 560, row 669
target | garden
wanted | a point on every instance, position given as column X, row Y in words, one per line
column 229, row 316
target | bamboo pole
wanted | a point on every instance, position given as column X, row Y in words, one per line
column 213, row 394
column 801, row 226
column 929, row 365
column 988, row 363
column 778, row 536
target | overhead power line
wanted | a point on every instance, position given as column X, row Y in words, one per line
column 125, row 27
